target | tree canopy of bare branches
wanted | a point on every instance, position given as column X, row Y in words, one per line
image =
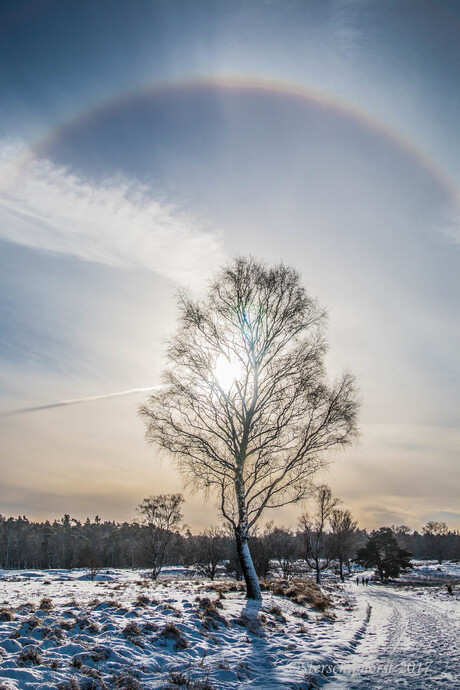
column 160, row 515
column 247, row 410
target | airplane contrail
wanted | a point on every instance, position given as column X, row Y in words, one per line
column 91, row 398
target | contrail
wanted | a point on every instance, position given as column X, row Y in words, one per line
column 131, row 391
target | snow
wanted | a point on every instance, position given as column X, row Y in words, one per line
column 122, row 628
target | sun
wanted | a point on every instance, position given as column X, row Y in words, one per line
column 226, row 372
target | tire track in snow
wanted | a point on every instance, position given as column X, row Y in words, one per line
column 409, row 644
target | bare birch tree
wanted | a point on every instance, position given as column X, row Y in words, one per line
column 317, row 546
column 247, row 410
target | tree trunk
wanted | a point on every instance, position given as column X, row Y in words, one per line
column 247, row 566
column 341, row 570
column 318, row 571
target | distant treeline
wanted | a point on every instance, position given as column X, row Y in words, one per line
column 69, row 543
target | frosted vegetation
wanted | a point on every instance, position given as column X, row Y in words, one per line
column 121, row 629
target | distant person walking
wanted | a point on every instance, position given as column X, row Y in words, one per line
column 357, row 580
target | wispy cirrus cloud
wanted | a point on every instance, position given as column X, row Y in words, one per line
column 119, row 223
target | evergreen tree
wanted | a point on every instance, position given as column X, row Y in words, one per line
column 383, row 553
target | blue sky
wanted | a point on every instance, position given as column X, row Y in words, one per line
column 142, row 144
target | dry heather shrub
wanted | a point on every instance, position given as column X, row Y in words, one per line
column 172, row 610
column 6, row 615
column 113, row 604
column 46, row 604
column 179, row 679
column 71, row 684
column 29, row 656
column 132, row 630
column 31, row 623
column 142, row 600
column 302, row 592
column 210, row 616
column 57, row 634
column 170, row 632
column 226, row 586
column 95, row 676
column 126, row 681
column 252, row 623
column 93, row 655
column 93, row 628
column 276, row 611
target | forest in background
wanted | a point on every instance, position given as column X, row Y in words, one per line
column 69, row 543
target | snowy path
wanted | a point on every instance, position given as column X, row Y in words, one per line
column 411, row 641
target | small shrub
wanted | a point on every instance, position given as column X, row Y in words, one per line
column 113, row 604
column 142, row 600
column 250, row 622
column 95, row 676
column 56, row 633
column 170, row 632
column 93, row 628
column 132, row 630
column 276, row 611
column 207, row 610
column 29, row 656
column 6, row 615
column 95, row 655
column 71, row 684
column 172, row 610
column 179, row 679
column 126, row 681
column 223, row 587
column 302, row 592
column 30, row 624
column 46, row 604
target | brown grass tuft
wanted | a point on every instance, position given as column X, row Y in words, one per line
column 302, row 592
column 29, row 656
column 46, row 604
column 6, row 615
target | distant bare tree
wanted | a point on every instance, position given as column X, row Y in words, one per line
column 318, row 550
column 343, row 537
column 161, row 515
column 211, row 548
column 436, row 538
column 247, row 411
column 284, row 549
column 262, row 549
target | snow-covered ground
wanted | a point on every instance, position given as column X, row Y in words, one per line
column 411, row 641
column 58, row 630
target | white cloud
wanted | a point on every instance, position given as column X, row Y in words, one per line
column 117, row 223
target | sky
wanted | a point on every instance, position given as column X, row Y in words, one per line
column 143, row 145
